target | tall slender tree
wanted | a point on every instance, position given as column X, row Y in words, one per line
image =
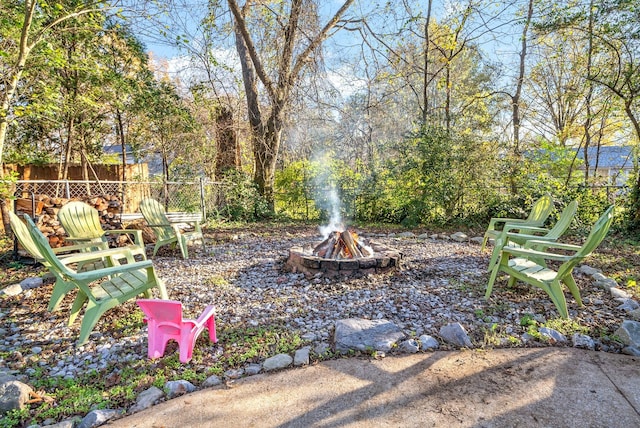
column 276, row 71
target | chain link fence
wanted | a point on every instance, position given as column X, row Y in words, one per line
column 196, row 197
column 210, row 197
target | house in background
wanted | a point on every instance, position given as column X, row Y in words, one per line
column 614, row 163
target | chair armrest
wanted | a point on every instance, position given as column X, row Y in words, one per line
column 525, row 237
column 551, row 244
column 528, row 253
column 494, row 220
column 92, row 275
column 59, row 251
column 521, row 227
column 208, row 311
column 122, row 252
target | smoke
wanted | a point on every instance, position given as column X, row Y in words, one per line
column 329, row 199
column 334, row 207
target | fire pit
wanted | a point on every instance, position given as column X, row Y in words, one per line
column 343, row 253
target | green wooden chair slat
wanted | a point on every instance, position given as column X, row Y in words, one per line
column 100, row 289
column 539, row 213
column 82, row 224
column 525, row 265
column 507, row 237
column 90, row 258
column 168, row 232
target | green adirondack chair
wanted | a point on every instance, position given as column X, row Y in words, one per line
column 539, row 213
column 168, row 232
column 86, row 256
column 529, row 264
column 100, row 289
column 507, row 237
column 82, row 224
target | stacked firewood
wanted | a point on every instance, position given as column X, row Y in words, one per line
column 46, row 213
column 342, row 245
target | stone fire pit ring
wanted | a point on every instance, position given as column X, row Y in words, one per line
column 384, row 259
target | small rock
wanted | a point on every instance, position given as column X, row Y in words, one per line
column 631, row 350
column 322, row 349
column 301, row 357
column 606, row 283
column 67, row 423
column 30, row 283
column 212, row 380
column 635, row 314
column 175, row 388
column 12, row 290
column 252, row 369
column 428, row 343
column 95, row 418
column 599, row 276
column 618, row 293
column 456, row 335
column 147, row 398
column 308, row 337
column 279, row 361
column 459, row 237
column 409, row 346
column 365, row 335
column 406, row 235
column 588, row 270
column 553, row 335
column 234, row 373
column 583, row 341
column 628, row 305
column 629, row 333
column 13, row 395
column 477, row 239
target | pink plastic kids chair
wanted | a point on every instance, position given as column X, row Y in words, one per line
column 164, row 318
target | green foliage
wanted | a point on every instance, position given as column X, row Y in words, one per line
column 247, row 345
column 293, row 196
column 242, row 201
column 14, row 418
column 632, row 219
column 566, row 326
column 436, row 175
column 7, row 184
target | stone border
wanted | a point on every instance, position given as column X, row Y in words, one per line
column 383, row 260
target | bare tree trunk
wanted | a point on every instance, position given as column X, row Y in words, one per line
column 12, row 85
column 589, row 119
column 447, row 103
column 266, row 134
column 123, row 142
column 425, row 81
column 228, row 149
column 63, row 173
column 515, row 100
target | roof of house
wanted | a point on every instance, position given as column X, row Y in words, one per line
column 617, row 157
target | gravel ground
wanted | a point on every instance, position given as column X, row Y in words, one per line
column 440, row 282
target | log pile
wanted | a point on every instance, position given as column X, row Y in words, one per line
column 47, row 207
column 342, row 245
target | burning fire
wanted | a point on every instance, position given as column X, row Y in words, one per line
column 342, row 245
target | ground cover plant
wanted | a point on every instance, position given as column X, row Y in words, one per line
column 245, row 339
